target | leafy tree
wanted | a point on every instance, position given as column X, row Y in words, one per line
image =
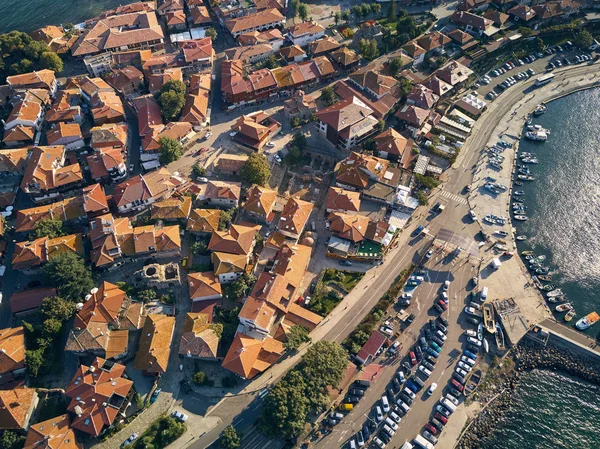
column 198, row 170
column 20, row 54
column 49, row 228
column 408, row 26
column 242, row 285
column 395, row 66
column 271, row 62
column 422, row 197
column 584, row 39
column 368, row 48
column 365, row 9
column 356, row 11
column 336, row 18
column 525, row 32
column 11, row 440
column 427, row 181
column 170, row 150
column 147, row 295
column 287, row 407
column 171, row 99
column 323, row 365
column 70, row 276
column 294, row 156
column 406, row 86
column 392, row 11
column 34, row 360
column 57, row 308
column 381, row 125
column 225, row 219
column 376, row 8
column 303, row 11
column 345, row 16
column 230, row 438
column 294, row 8
column 69, row 30
column 212, row 33
column 50, row 60
column 328, row 96
column 299, row 141
column 296, row 337
column 256, row 170
column 199, row 378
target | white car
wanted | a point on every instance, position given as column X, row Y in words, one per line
column 270, row 144
column 208, row 135
column 432, row 388
column 232, row 133
column 379, row 443
column 131, row 439
column 470, row 333
column 131, row 168
column 180, row 416
column 202, row 179
column 410, row 393
column 378, row 414
column 277, row 159
column 462, row 372
column 446, row 285
column 474, row 341
column 464, row 366
column 395, row 417
column 385, row 405
column 425, row 371
column 439, row 334
column 390, row 422
column 452, row 399
column 467, row 360
column 473, row 215
column 471, row 311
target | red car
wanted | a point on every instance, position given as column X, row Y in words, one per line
column 441, row 418
column 442, row 304
column 413, row 358
column 432, row 429
column 456, row 384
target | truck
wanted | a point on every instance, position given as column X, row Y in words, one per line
column 496, row 263
column 422, row 442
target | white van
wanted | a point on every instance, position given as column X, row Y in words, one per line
column 385, row 405
column 484, row 293
column 449, row 405
column 407, row 445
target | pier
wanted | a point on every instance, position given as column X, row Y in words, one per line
column 571, row 339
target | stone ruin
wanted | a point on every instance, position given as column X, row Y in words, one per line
column 158, row 276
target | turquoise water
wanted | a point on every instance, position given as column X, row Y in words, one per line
column 551, row 411
column 28, row 15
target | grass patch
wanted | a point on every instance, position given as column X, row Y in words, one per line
column 331, row 288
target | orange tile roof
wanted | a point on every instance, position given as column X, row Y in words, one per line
column 96, row 394
column 223, row 190
column 68, row 243
column 65, row 210
column 203, row 220
column 294, row 216
column 341, row 199
column 12, row 349
column 240, row 24
column 260, row 200
column 260, row 312
column 172, row 209
column 29, row 254
column 158, row 80
column 237, row 240
column 124, row 77
column 291, row 262
column 107, row 107
column 15, row 405
column 349, row 227
column 103, row 307
column 55, row 433
column 94, row 199
column 109, row 135
column 155, row 184
column 30, row 299
column 354, row 170
column 45, row 170
column 174, row 130
column 198, row 338
column 167, row 239
column 248, row 356
column 202, row 285
column 28, row 111
column 61, row 131
column 303, row 317
column 228, row 263
column 155, row 344
column 303, row 28
column 42, row 78
column 19, row 134
column 13, row 161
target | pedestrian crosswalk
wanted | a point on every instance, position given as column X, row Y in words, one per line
column 451, row 196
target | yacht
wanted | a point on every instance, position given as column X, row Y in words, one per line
column 539, row 136
column 555, row 292
column 587, row 321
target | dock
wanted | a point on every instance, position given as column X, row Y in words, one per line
column 563, row 336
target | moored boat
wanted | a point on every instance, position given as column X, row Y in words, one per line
column 537, row 136
column 521, row 217
column 549, row 287
column 488, row 317
column 557, row 299
column 519, row 193
column 587, row 321
column 480, row 332
column 527, row 253
column 521, row 238
column 540, row 109
column 555, row 292
column 545, row 277
column 564, row 307
column 570, row 315
column 486, row 345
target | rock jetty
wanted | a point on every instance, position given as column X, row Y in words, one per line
column 527, row 356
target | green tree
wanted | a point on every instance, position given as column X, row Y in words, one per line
column 170, row 150
column 324, row 365
column 376, row 8
column 381, row 125
column 303, row 11
column 356, row 11
column 34, row 360
column 406, row 86
column 57, row 308
column 230, row 438
column 299, row 141
column 199, row 378
column 427, row 181
column 225, row 219
column 286, row 407
column 242, row 285
column 368, row 48
column 392, row 12
column 294, row 8
column 271, row 62
column 147, row 295
column 51, row 61
column 584, row 39
column 68, row 273
column 328, row 96
column 49, row 228
column 11, row 440
column 345, row 16
column 171, row 99
column 198, row 170
column 395, row 66
column 212, row 33
column 294, row 156
column 256, row 170
column 422, row 198
column 525, row 32
column 407, row 25
column 296, row 336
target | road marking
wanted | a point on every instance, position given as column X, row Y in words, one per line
column 453, row 197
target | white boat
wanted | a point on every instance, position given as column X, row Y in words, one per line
column 587, row 321
column 564, row 307
column 540, row 109
column 521, row 217
column 539, row 136
column 486, row 345
column 555, row 292
column 521, row 238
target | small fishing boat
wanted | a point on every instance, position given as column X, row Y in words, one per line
column 557, row 299
column 518, row 200
column 570, row 315
column 537, row 136
column 500, row 337
column 542, row 270
column 502, row 233
column 564, row 307
column 545, row 277
column 555, row 292
column 488, row 317
column 527, row 253
column 540, row 109
column 587, row 321
column 490, row 220
column 480, row 332
column 549, row 287
column 486, row 345
column 521, row 238
column 519, row 183
column 519, row 193
column 521, row 217
column 526, row 177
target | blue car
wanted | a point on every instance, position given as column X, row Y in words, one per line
column 433, row 352
column 470, row 355
column 419, row 229
column 414, row 387
column 435, row 346
column 154, row 396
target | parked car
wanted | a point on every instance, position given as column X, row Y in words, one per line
column 413, row 358
column 474, row 341
column 154, row 396
column 431, row 428
column 179, row 415
column 131, row 439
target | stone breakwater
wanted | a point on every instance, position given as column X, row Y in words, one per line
column 527, row 356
